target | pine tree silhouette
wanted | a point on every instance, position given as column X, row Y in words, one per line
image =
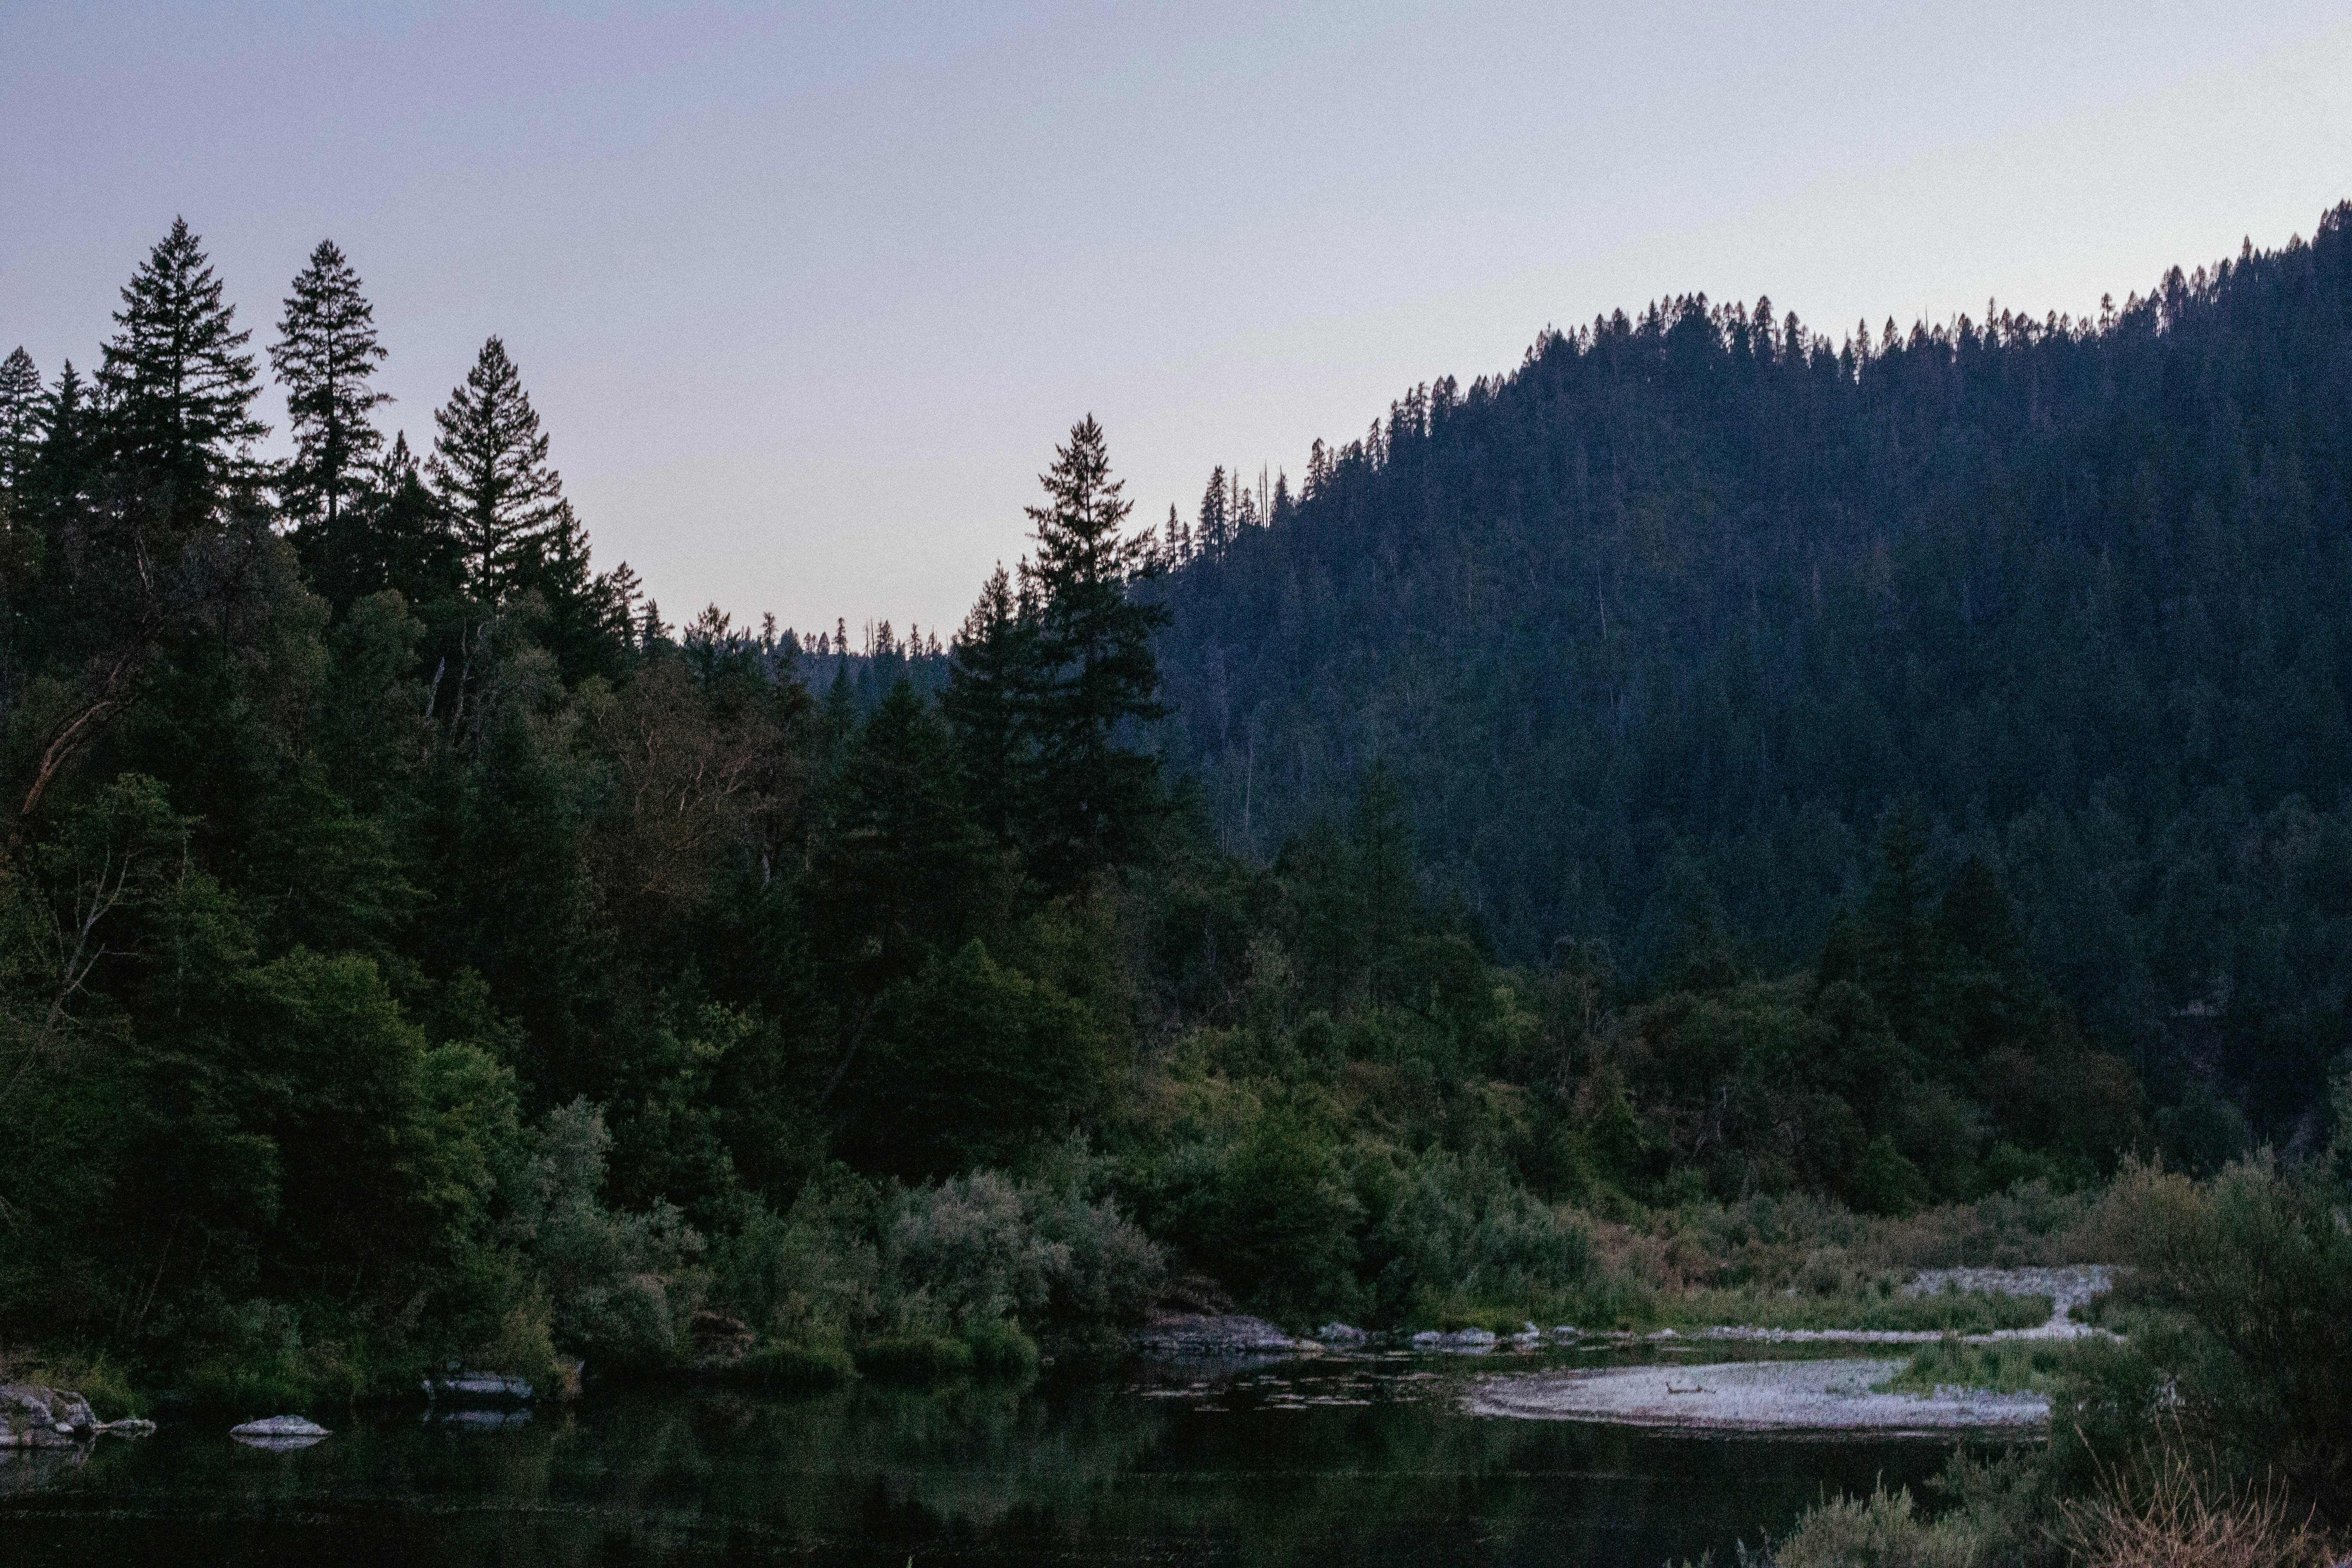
column 490, row 470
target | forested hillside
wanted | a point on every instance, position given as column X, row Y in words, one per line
column 1669, row 617
column 1679, row 835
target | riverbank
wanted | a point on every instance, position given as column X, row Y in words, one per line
column 1790, row 1397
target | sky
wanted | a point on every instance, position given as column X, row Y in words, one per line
column 805, row 295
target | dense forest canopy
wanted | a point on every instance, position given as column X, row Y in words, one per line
column 1684, row 604
column 1706, row 781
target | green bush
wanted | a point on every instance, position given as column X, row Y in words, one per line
column 791, row 1367
column 1461, row 1235
column 1000, row 1350
column 105, row 1383
column 1274, row 1216
column 624, row 1287
column 915, row 1358
column 2253, row 1271
column 1881, row 1530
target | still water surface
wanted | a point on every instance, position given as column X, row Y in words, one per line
column 1340, row 1461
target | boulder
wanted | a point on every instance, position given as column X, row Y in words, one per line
column 278, row 1432
column 35, row 1416
column 1341, row 1334
column 476, row 1388
column 1461, row 1341
column 1212, row 1334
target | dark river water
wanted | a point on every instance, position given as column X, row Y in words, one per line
column 1340, row 1461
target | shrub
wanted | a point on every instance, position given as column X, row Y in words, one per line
column 104, row 1382
column 915, row 1358
column 790, row 1367
column 1274, row 1215
column 980, row 1247
column 999, row 1349
column 2256, row 1266
column 2171, row 1517
column 624, row 1286
column 1881, row 1530
column 1461, row 1235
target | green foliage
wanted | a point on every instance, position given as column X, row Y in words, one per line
column 1881, row 1530
column 178, row 390
column 2010, row 1366
column 1460, row 1236
column 2253, row 1355
column 915, row 1358
column 625, row 1287
column 976, row 1063
column 112, row 1392
column 1275, row 1210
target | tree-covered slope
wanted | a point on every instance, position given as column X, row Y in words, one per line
column 1702, row 587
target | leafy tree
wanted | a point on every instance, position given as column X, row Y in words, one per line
column 325, row 353
column 489, row 473
column 1096, row 673
column 178, row 389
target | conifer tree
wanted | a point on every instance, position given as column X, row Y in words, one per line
column 20, row 416
column 489, row 472
column 177, row 388
column 988, row 680
column 1095, row 671
column 1386, row 875
column 1210, row 535
column 416, row 550
column 60, row 467
column 579, row 629
column 325, row 353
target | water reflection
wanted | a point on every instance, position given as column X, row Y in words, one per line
column 1343, row 1461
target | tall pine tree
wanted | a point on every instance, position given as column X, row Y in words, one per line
column 178, row 388
column 20, row 416
column 585, row 627
column 490, row 471
column 325, row 353
column 988, row 682
column 1094, row 673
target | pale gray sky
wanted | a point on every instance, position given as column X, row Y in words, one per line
column 805, row 294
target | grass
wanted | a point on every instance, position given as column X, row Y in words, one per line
column 1874, row 1304
column 1879, row 1307
column 793, row 1367
column 104, row 1382
column 2007, row 1366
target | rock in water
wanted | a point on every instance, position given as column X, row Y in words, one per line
column 278, row 1432
column 1210, row 1335
column 33, row 1416
column 477, row 1388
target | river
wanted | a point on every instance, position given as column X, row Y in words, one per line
column 1370, row 1461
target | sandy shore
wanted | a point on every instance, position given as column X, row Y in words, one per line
column 1754, row 1396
